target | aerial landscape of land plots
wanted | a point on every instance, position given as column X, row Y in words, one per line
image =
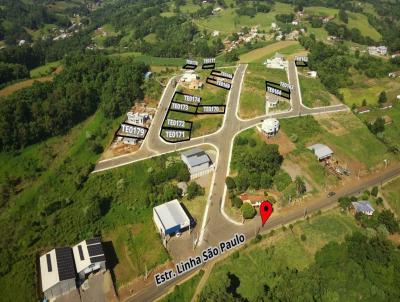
column 202, row 113
column 253, row 94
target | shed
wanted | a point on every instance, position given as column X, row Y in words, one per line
column 321, row 151
column 197, row 161
column 183, row 186
column 57, row 272
column 89, row 257
column 170, row 218
column 363, row 207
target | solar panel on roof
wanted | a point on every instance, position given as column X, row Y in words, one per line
column 97, row 259
column 65, row 263
column 81, row 252
column 95, row 249
column 48, row 259
column 93, row 241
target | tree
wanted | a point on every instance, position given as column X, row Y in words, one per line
column 344, row 202
column 387, row 218
column 382, row 97
column 237, row 202
column 248, row 212
column 194, row 189
column 343, row 16
column 300, row 185
column 374, row 191
column 230, row 183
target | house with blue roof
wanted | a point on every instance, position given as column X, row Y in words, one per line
column 362, row 207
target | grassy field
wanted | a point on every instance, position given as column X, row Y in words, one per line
column 391, row 192
column 255, row 265
column 369, row 89
column 313, row 92
column 356, row 20
column 259, row 55
column 45, row 70
column 338, row 131
column 252, row 98
column 184, row 291
column 391, row 134
column 227, row 20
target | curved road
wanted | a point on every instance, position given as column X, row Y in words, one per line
column 216, row 225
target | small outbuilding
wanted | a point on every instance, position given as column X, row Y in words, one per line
column 57, row 272
column 170, row 218
column 321, row 151
column 89, row 257
column 197, row 161
column 363, row 207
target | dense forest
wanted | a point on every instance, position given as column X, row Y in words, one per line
column 348, row 271
column 48, row 109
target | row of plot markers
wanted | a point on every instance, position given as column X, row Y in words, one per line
column 176, row 126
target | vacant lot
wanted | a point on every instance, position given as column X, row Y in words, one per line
column 368, row 89
column 391, row 192
column 313, row 92
column 24, row 84
column 264, row 52
column 344, row 133
column 255, row 265
column 252, row 98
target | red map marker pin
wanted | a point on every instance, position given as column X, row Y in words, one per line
column 265, row 211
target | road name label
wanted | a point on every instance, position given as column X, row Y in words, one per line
column 206, row 255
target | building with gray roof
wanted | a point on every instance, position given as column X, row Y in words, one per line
column 363, row 207
column 197, row 161
column 321, row 151
column 170, row 218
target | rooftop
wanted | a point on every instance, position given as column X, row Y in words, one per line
column 88, row 252
column 172, row 214
column 321, row 151
column 362, row 206
column 196, row 157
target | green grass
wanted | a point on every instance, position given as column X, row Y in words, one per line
column 391, row 192
column 391, row 134
column 369, row 89
column 256, row 265
column 338, row 131
column 252, row 98
column 44, row 70
column 314, row 93
column 227, row 21
column 184, row 291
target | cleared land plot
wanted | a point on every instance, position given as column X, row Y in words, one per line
column 261, row 53
column 45, row 69
column 369, row 89
column 24, row 84
column 313, row 92
column 255, row 265
column 391, row 192
column 344, row 133
column 252, row 98
column 184, row 291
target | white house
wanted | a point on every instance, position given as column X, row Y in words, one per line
column 278, row 62
column 170, row 218
column 377, row 50
column 312, row 74
column 321, row 151
column 273, row 25
column 189, row 76
column 270, row 126
column 295, row 22
column 216, row 10
column 57, row 272
column 363, row 207
column 197, row 161
column 89, row 257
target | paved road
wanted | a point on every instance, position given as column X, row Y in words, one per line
column 217, row 227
